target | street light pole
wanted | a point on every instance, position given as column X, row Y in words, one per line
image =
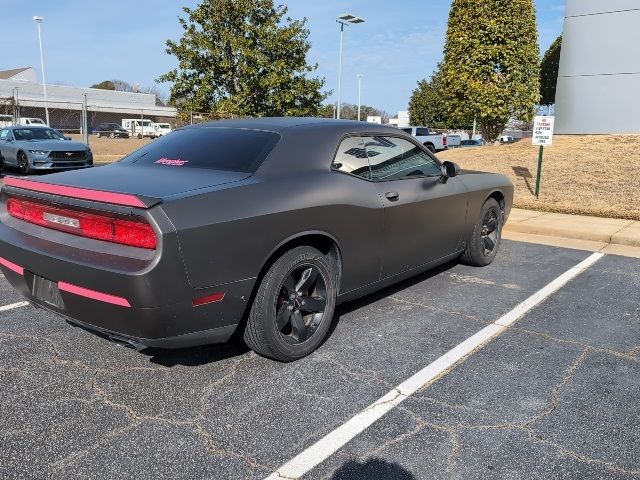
column 359, row 92
column 38, row 21
column 340, row 69
column 344, row 19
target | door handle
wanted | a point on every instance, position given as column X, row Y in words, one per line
column 393, row 196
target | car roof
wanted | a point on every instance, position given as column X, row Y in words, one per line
column 283, row 124
column 35, row 125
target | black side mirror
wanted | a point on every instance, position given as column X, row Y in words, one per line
column 450, row 169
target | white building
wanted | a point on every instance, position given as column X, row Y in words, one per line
column 402, row 120
column 65, row 102
column 599, row 76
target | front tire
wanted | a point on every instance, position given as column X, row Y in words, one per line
column 293, row 307
column 98, row 135
column 484, row 242
column 23, row 163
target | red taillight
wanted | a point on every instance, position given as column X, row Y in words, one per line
column 444, row 141
column 136, row 233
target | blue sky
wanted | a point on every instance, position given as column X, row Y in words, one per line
column 87, row 42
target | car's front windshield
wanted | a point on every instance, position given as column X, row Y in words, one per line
column 37, row 134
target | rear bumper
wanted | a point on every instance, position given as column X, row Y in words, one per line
column 147, row 303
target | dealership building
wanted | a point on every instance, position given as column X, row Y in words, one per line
column 598, row 90
column 19, row 87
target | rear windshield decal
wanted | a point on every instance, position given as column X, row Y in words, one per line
column 175, row 162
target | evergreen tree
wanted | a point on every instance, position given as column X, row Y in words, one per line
column 549, row 73
column 427, row 105
column 491, row 63
column 243, row 58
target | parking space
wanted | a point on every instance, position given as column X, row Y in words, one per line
column 552, row 397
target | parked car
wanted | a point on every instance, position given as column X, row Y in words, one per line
column 40, row 148
column 6, row 120
column 435, row 142
column 239, row 224
column 111, row 130
column 30, row 121
column 507, row 139
column 139, row 127
column 163, row 128
column 471, row 143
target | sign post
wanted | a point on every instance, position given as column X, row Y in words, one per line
column 542, row 135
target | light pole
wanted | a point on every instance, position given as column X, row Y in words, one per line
column 359, row 91
column 344, row 19
column 38, row 21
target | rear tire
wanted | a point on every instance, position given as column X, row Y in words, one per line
column 112, row 135
column 484, row 242
column 140, row 136
column 23, row 163
column 293, row 307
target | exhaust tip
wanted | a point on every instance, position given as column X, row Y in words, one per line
column 127, row 342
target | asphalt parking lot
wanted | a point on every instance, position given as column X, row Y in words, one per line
column 554, row 396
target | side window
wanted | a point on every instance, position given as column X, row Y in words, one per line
column 352, row 158
column 407, row 130
column 4, row 134
column 392, row 158
column 422, row 132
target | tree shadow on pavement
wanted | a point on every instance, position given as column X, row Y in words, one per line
column 372, row 469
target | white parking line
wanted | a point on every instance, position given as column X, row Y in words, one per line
column 334, row 440
column 11, row 306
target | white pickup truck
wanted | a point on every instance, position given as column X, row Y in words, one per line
column 435, row 142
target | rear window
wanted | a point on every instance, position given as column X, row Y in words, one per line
column 232, row 149
column 422, row 132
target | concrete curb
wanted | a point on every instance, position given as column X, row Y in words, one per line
column 595, row 229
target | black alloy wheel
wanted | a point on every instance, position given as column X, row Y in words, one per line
column 23, row 163
column 300, row 304
column 484, row 241
column 489, row 232
column 293, row 306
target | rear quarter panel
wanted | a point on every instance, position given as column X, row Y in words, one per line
column 228, row 234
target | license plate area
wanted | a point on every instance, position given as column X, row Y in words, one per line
column 46, row 291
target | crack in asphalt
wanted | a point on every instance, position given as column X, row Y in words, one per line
column 438, row 309
column 356, row 372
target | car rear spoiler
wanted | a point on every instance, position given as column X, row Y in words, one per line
column 124, row 199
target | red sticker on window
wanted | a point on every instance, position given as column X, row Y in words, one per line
column 176, row 162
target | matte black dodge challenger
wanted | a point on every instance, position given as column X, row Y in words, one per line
column 261, row 226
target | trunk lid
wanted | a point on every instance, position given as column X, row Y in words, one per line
column 123, row 184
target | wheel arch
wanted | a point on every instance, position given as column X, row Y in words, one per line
column 321, row 240
column 498, row 196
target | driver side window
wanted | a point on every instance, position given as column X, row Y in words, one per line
column 393, row 158
column 4, row 134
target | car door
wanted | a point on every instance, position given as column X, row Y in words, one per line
column 424, row 213
column 360, row 214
